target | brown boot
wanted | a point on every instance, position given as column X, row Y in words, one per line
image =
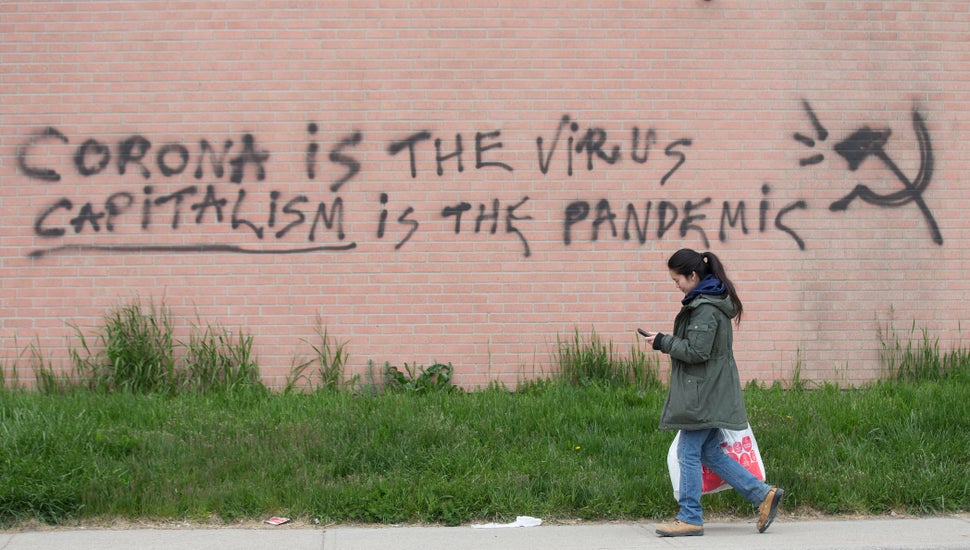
column 768, row 507
column 678, row 528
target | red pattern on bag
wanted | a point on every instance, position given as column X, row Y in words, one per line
column 743, row 453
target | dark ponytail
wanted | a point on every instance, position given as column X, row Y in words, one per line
column 686, row 261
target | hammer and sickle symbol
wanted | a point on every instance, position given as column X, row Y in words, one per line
column 866, row 142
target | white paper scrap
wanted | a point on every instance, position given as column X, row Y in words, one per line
column 520, row 521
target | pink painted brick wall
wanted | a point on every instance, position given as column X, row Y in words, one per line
column 729, row 126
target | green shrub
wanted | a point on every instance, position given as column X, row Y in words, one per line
column 414, row 379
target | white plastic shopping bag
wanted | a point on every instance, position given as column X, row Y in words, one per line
column 737, row 444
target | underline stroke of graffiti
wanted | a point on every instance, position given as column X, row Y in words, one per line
column 865, row 142
column 212, row 248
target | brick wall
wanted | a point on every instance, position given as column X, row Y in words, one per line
column 469, row 183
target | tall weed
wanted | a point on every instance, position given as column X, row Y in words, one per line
column 584, row 361
column 134, row 352
column 216, row 362
column 920, row 360
column 331, row 358
column 10, row 370
column 47, row 379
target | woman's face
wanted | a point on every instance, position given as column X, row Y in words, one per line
column 685, row 283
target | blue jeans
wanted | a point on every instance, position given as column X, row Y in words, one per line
column 698, row 447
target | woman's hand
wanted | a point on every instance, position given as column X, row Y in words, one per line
column 648, row 336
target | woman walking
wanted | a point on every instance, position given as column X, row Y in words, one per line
column 705, row 390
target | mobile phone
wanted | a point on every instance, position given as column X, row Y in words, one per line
column 644, row 333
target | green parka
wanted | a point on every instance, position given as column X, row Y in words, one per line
column 705, row 388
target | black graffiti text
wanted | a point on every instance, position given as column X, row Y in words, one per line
column 488, row 216
column 484, row 142
column 135, row 153
column 404, row 219
column 338, row 156
column 193, row 204
column 689, row 218
column 593, row 143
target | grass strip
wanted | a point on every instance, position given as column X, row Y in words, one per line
column 553, row 450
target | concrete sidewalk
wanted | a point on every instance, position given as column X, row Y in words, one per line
column 950, row 533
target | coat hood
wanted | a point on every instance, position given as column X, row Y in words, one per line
column 721, row 301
